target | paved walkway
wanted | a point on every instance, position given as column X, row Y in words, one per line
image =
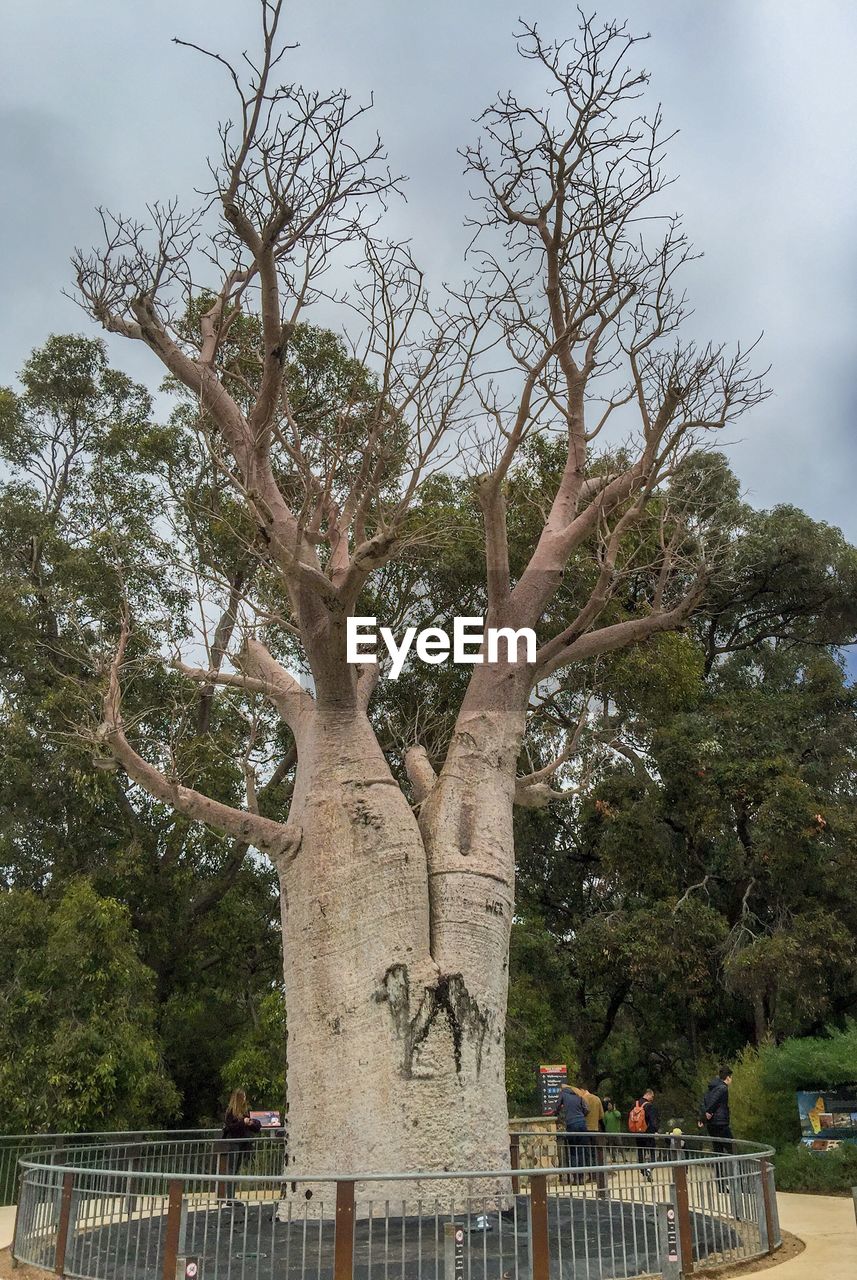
column 7, row 1225
column 828, row 1227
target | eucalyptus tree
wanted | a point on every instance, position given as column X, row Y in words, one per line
column 93, row 484
column 701, row 894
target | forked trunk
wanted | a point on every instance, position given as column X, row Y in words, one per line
column 396, row 944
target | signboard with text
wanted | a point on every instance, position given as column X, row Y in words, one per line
column 551, row 1080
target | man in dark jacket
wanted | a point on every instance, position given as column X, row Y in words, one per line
column 573, row 1109
column 646, row 1141
column 715, row 1110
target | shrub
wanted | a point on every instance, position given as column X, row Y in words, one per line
column 760, row 1111
column 827, row 1173
column 814, row 1062
column 764, row 1106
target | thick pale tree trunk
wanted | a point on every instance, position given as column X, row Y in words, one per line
column 396, row 939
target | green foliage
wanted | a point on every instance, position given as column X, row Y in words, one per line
column 77, row 1017
column 536, row 1026
column 699, row 894
column 764, row 1107
column 760, row 1112
column 663, row 677
column 257, row 1063
column 92, row 496
column 702, row 891
column 825, row 1173
column 811, row 1062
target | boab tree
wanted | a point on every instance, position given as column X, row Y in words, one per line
column 397, row 900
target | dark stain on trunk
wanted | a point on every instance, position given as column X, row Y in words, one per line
column 449, row 999
column 465, row 829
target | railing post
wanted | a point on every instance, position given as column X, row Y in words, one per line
column 174, row 1226
column 685, row 1232
column 133, row 1165
column 19, row 1197
column 515, row 1160
column 221, row 1190
column 63, row 1225
column 343, row 1247
column 766, row 1200
column 539, row 1226
column 600, row 1145
column 453, row 1251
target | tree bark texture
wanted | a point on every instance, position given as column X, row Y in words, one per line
column 396, row 937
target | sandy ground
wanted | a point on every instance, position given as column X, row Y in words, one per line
column 825, row 1224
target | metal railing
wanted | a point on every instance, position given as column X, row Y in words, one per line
column 595, row 1207
column 16, row 1146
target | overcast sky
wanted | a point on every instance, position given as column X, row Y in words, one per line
column 99, row 107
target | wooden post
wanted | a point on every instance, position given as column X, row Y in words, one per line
column 685, row 1233
column 62, row 1226
column 766, row 1196
column 343, row 1247
column 515, row 1160
column 539, row 1226
column 174, row 1225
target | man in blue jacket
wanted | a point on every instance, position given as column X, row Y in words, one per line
column 573, row 1109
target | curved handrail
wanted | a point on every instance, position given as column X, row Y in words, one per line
column 740, row 1149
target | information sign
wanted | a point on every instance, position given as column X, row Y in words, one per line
column 551, row 1080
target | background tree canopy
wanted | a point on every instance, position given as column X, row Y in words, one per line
column 694, row 893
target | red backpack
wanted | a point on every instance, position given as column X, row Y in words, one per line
column 637, row 1118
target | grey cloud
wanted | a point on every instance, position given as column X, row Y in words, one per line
column 97, row 105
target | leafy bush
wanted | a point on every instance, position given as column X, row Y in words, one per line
column 811, row 1062
column 764, row 1107
column 827, row 1173
column 762, row 1112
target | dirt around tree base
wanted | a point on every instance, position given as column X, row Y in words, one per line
column 8, row 1270
column 790, row 1248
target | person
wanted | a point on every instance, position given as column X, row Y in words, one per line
column 594, row 1125
column 572, row 1109
column 612, row 1125
column 644, row 1121
column 715, row 1116
column 612, row 1117
column 676, row 1143
column 239, row 1128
